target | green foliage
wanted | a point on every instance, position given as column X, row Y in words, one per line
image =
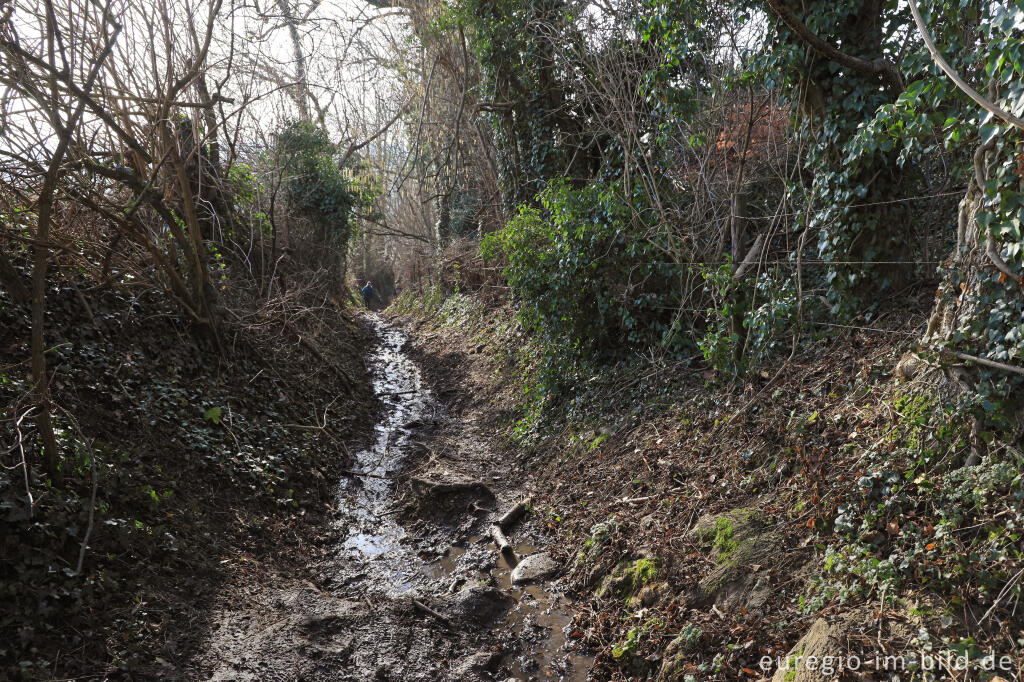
column 583, row 302
column 688, row 638
column 854, row 176
column 764, row 314
column 628, row 647
column 917, row 515
column 316, row 187
column 213, row 414
column 991, row 321
column 628, row 578
column 719, row 343
column 245, row 186
column 513, row 44
column 425, row 303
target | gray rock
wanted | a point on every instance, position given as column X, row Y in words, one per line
column 534, row 567
column 478, row 663
column 479, row 604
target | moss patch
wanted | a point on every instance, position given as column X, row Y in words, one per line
column 735, row 540
column 628, row 578
column 597, row 442
column 724, row 540
column 627, row 646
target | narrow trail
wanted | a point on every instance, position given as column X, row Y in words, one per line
column 408, row 586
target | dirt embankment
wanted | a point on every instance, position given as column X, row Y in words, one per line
column 207, row 471
column 717, row 530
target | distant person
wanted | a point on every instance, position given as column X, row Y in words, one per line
column 369, row 294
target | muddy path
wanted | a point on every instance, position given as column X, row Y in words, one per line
column 406, row 584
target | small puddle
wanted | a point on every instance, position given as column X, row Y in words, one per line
column 539, row 619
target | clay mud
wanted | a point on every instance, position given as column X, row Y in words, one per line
column 411, row 586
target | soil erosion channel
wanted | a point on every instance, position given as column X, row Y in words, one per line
column 406, row 593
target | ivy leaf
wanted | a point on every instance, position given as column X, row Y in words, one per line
column 213, row 414
column 989, row 131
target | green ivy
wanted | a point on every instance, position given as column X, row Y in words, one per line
column 589, row 282
column 316, row 187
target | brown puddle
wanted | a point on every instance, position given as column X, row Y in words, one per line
column 539, row 620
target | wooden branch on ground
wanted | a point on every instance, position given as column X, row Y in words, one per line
column 514, row 514
column 504, row 546
column 431, row 612
column 632, row 500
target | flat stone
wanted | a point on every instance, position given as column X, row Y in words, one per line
column 534, row 567
column 477, row 663
column 479, row 604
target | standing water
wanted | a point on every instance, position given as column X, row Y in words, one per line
column 377, row 542
column 374, row 536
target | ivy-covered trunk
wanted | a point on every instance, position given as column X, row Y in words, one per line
column 840, row 54
column 979, row 311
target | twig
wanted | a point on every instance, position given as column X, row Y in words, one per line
column 1002, row 593
column 426, row 609
column 92, row 516
column 631, row 500
column 988, row 363
column 24, row 464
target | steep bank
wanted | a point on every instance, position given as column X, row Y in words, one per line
column 731, row 530
column 193, row 472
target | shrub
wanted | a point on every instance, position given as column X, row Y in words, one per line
column 593, row 283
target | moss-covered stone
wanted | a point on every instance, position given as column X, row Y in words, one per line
column 600, row 533
column 628, row 578
column 736, row 541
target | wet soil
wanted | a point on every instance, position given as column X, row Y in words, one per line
column 405, row 584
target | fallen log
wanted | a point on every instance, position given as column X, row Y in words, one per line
column 514, row 514
column 504, row 546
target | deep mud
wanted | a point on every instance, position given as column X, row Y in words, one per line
column 409, row 586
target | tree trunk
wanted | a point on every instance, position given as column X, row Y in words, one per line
column 970, row 258
column 301, row 91
column 41, row 382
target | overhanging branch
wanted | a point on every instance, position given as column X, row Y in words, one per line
column 880, row 66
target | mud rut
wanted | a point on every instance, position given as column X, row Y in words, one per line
column 399, row 596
